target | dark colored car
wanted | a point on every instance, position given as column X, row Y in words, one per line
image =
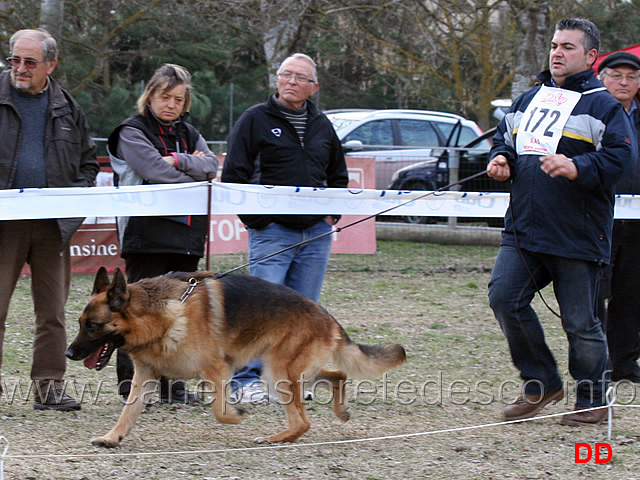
column 434, row 173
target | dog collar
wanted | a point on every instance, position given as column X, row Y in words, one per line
column 192, row 284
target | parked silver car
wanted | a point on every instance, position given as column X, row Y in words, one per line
column 398, row 138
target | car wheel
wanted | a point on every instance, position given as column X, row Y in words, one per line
column 415, row 185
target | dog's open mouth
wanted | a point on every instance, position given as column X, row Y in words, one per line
column 100, row 358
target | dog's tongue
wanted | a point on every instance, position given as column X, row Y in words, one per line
column 92, row 361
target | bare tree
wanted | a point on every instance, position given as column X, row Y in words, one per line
column 51, row 15
column 282, row 27
column 99, row 44
column 442, row 52
column 288, row 24
column 6, row 13
column 533, row 23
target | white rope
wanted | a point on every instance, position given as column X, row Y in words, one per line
column 4, row 454
column 313, row 444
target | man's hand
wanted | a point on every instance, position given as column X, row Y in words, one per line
column 558, row 165
column 499, row 169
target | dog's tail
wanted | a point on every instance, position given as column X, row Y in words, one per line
column 367, row 361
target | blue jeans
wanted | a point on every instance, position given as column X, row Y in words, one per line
column 575, row 284
column 301, row 268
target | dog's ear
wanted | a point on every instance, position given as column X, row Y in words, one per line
column 101, row 282
column 117, row 295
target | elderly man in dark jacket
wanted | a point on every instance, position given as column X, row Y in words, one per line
column 46, row 143
column 620, row 74
column 286, row 141
column 564, row 144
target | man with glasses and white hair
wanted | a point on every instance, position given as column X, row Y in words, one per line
column 620, row 283
column 45, row 143
column 286, row 141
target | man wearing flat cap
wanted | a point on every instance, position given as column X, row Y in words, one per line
column 620, row 283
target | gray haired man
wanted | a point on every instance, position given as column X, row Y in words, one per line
column 45, row 143
column 620, row 283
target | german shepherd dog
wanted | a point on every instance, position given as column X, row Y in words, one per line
column 192, row 325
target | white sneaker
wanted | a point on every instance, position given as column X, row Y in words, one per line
column 252, row 393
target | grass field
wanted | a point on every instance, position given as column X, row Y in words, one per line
column 438, row 416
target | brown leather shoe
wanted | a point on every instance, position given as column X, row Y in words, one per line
column 56, row 401
column 578, row 418
column 527, row 406
column 50, row 395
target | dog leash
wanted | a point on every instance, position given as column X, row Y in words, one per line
column 339, row 229
column 524, row 261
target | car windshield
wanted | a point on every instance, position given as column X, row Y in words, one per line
column 468, row 135
column 340, row 122
column 481, row 143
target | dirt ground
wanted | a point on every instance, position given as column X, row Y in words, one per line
column 436, row 417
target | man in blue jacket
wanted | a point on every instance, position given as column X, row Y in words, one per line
column 563, row 145
column 286, row 141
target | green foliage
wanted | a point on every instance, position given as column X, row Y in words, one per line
column 617, row 20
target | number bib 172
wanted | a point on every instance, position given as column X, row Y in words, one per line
column 540, row 129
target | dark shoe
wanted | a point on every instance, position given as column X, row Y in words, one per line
column 631, row 377
column 527, row 406
column 175, row 392
column 190, row 399
column 578, row 418
column 55, row 400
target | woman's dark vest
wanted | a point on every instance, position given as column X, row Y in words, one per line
column 177, row 234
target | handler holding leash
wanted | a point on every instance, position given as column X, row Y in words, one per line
column 564, row 144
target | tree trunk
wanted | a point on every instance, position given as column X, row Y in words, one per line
column 51, row 15
column 6, row 10
column 287, row 32
column 532, row 51
column 276, row 41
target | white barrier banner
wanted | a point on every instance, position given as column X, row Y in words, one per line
column 229, row 198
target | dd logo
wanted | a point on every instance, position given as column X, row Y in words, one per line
column 589, row 452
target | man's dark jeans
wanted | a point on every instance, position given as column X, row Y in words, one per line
column 575, row 284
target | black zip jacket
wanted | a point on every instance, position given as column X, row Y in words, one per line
column 265, row 149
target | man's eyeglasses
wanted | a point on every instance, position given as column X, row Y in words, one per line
column 30, row 63
column 617, row 77
column 299, row 78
